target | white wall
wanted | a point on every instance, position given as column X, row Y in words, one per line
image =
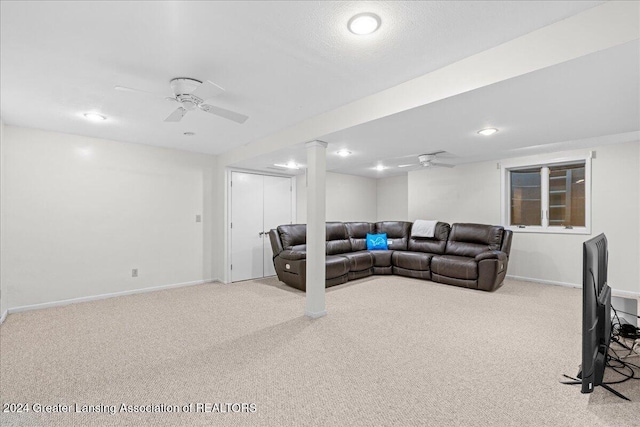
column 3, row 299
column 466, row 193
column 471, row 193
column 79, row 213
column 393, row 198
column 355, row 198
column 349, row 198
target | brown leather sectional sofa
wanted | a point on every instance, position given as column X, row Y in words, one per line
column 468, row 255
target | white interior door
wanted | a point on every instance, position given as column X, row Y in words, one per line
column 247, row 252
column 277, row 211
column 258, row 204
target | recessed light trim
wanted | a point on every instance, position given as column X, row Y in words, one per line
column 364, row 23
column 95, row 117
column 487, row 131
column 288, row 165
column 343, row 153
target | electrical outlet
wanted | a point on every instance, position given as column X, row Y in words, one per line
column 134, row 272
column 198, row 218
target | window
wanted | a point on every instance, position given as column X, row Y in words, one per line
column 551, row 197
column 566, row 195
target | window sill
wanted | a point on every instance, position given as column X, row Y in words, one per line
column 550, row 230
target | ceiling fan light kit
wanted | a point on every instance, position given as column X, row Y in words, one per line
column 288, row 165
column 184, row 85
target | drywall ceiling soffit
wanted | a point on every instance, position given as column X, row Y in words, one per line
column 280, row 62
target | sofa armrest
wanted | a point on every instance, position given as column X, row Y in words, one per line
column 293, row 255
column 499, row 255
column 506, row 242
column 492, row 269
column 276, row 244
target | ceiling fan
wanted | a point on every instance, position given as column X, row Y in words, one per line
column 428, row 161
column 191, row 94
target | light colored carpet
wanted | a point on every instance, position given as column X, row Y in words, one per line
column 392, row 351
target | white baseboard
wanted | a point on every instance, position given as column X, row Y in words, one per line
column 101, row 296
column 3, row 316
column 315, row 315
column 544, row 282
column 614, row 292
column 624, row 294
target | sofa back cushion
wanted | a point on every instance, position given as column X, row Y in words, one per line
column 472, row 239
column 337, row 238
column 357, row 232
column 293, row 236
column 397, row 233
column 432, row 245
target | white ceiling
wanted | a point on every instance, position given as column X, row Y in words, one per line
column 281, row 62
column 592, row 100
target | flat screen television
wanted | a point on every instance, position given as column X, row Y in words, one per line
column 596, row 313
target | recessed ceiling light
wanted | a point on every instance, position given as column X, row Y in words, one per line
column 380, row 168
column 488, row 131
column 95, row 117
column 188, row 133
column 343, row 153
column 289, row 165
column 364, row 23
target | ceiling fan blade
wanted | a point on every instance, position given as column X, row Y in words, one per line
column 406, row 166
column 442, row 165
column 129, row 89
column 207, row 90
column 413, row 168
column 227, row 114
column 177, row 115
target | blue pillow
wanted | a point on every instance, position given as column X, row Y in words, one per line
column 377, row 242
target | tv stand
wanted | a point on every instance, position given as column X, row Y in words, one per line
column 620, row 395
column 604, row 386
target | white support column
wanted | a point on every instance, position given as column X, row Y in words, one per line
column 316, row 232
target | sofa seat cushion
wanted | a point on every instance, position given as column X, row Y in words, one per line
column 336, row 266
column 411, row 260
column 458, row 267
column 382, row 258
column 358, row 261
